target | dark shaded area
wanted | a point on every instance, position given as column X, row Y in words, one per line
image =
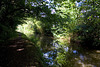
column 11, row 12
column 20, row 53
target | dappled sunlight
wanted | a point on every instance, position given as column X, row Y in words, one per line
column 30, row 27
column 97, row 51
column 81, row 64
column 21, row 49
column 70, row 57
column 21, row 52
column 13, row 46
column 55, row 53
column 49, row 33
column 64, row 39
column 26, row 28
column 87, row 59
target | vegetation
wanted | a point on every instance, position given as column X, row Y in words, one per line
column 88, row 29
column 71, row 20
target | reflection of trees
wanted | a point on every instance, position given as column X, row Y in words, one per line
column 87, row 60
column 48, row 49
column 76, row 56
column 65, row 59
column 86, row 57
column 46, row 43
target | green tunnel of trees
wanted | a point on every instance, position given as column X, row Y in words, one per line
column 79, row 19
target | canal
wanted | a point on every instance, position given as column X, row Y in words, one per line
column 55, row 53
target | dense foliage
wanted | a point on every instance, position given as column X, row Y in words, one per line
column 78, row 18
column 69, row 20
column 88, row 29
column 11, row 12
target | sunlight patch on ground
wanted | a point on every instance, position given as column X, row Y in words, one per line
column 20, row 49
column 29, row 27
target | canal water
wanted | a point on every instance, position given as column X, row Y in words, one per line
column 55, row 52
column 60, row 53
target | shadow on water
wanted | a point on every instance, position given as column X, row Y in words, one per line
column 55, row 53
column 20, row 53
column 59, row 54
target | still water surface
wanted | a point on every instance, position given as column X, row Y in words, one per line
column 56, row 53
column 59, row 53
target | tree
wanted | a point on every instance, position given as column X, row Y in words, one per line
column 88, row 31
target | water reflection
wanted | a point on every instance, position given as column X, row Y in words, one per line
column 59, row 54
column 55, row 53
column 50, row 56
column 74, row 51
